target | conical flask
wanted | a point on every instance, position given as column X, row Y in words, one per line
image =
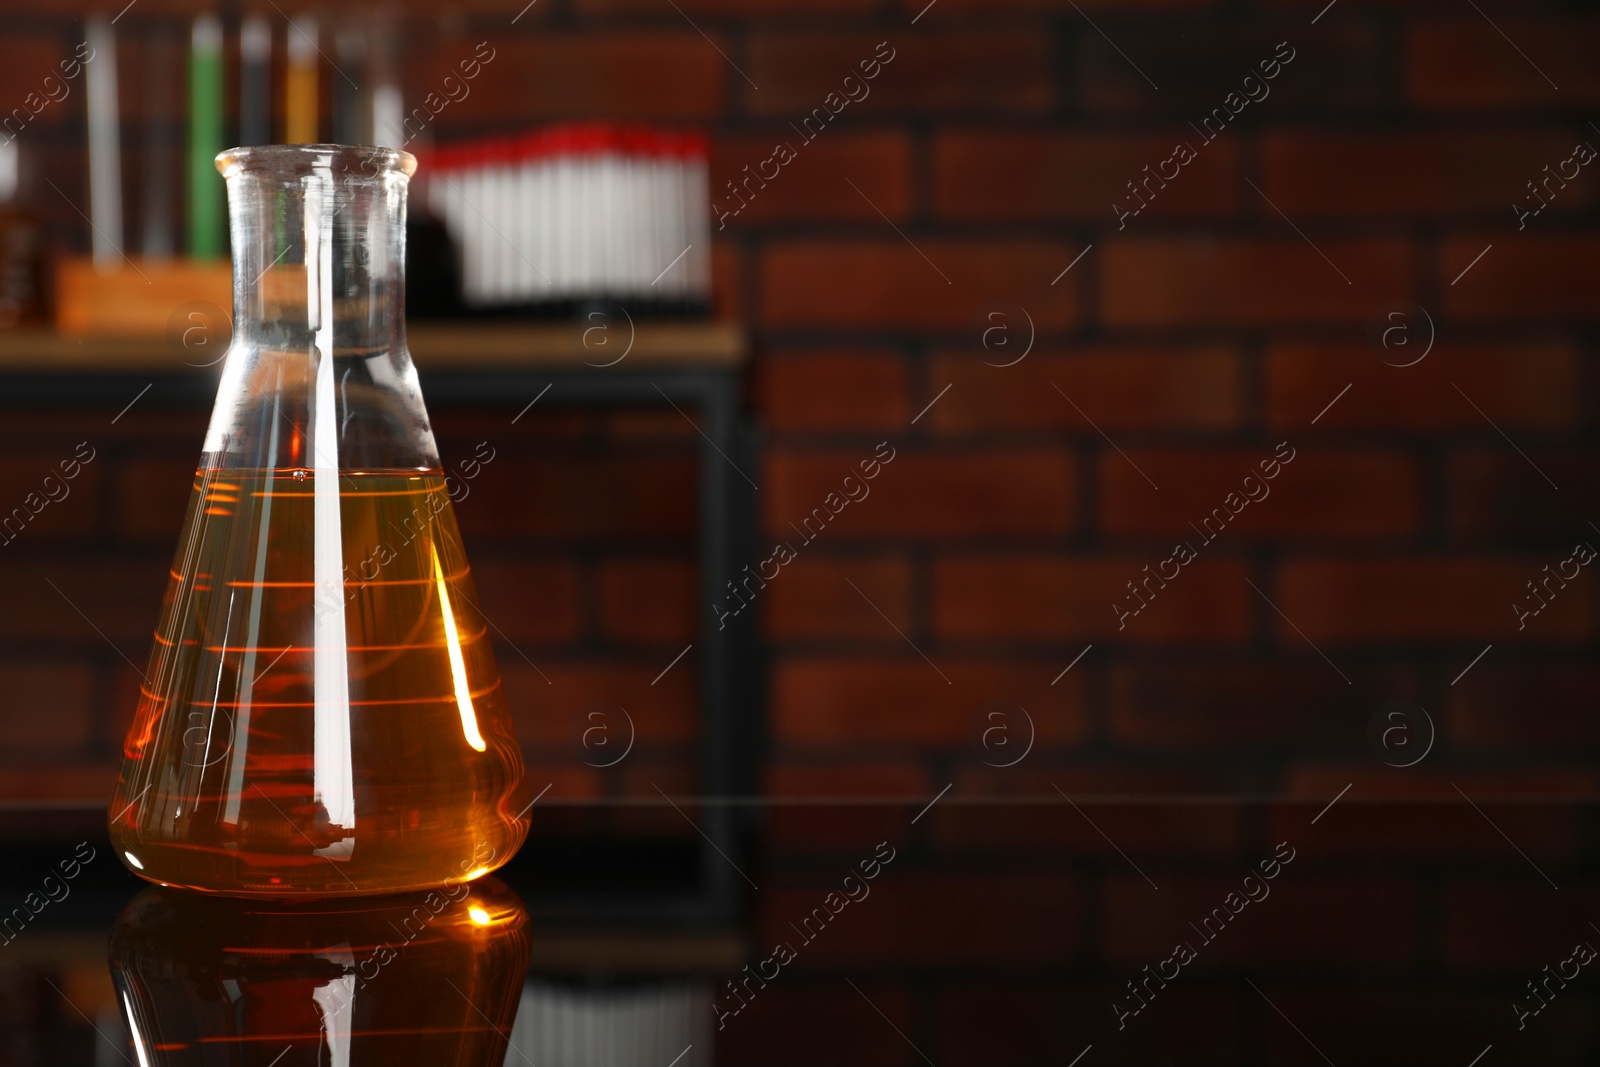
column 322, row 713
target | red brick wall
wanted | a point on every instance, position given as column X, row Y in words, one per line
column 1220, row 321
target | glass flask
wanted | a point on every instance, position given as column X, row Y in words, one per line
column 322, row 713
column 430, row 977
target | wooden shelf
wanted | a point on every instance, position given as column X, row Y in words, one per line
column 452, row 345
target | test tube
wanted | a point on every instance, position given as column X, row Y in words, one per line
column 388, row 106
column 563, row 204
column 255, row 81
column 610, row 213
column 105, row 154
column 205, row 138
column 544, row 222
column 672, row 222
column 351, row 112
column 697, row 215
column 524, row 171
column 506, row 214
column 300, row 82
column 160, row 144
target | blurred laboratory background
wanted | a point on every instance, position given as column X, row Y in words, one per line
column 1069, row 280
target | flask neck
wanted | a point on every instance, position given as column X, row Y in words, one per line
column 318, row 376
column 319, row 253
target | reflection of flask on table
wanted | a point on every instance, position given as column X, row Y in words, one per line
column 322, row 713
column 420, row 978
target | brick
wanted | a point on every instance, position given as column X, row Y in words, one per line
column 120, row 597
column 1464, row 63
column 1320, row 494
column 460, row 431
column 1096, row 778
column 1015, row 1024
column 1261, row 282
column 1499, row 495
column 922, row 494
column 60, row 780
column 1034, row 1024
column 811, row 600
column 815, row 831
column 1047, row 599
column 779, row 1026
column 1530, row 277
column 566, row 782
column 1362, row 830
column 555, row 714
column 528, row 601
column 1164, row 832
column 49, row 707
column 58, row 430
column 888, row 284
column 150, row 495
column 1530, row 383
column 809, row 188
column 1307, row 919
column 1410, row 1024
column 1012, row 919
column 1133, row 387
column 835, row 389
column 123, row 701
column 1366, row 601
column 1342, row 72
column 1517, row 923
column 27, row 59
column 1025, row 177
column 1415, row 173
column 648, row 601
column 67, row 163
column 1182, row 707
column 39, row 506
column 555, row 497
column 826, row 703
column 975, row 71
column 649, row 426
column 1531, row 708
column 661, row 74
column 813, row 812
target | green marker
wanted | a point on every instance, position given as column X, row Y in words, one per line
column 205, row 139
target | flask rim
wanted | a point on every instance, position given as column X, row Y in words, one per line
column 350, row 162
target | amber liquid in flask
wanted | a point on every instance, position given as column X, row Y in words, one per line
column 322, row 713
